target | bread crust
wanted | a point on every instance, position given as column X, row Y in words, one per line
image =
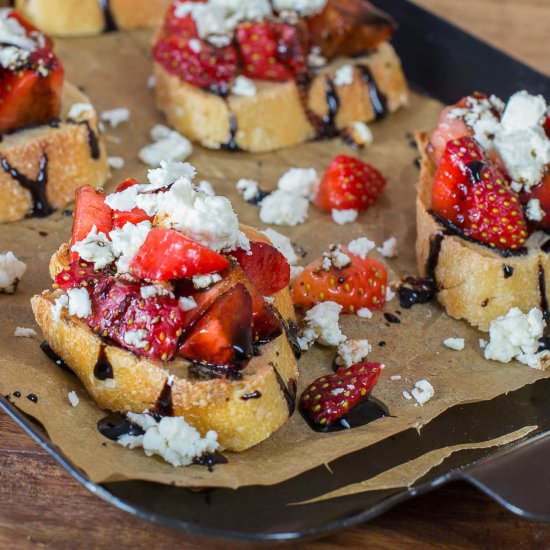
column 86, row 17
column 218, row 404
column 275, row 117
column 70, row 163
column 472, row 280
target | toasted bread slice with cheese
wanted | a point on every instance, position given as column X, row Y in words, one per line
column 474, row 282
column 52, row 160
column 243, row 411
column 282, row 114
column 89, row 17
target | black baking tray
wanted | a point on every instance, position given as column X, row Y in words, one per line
column 446, row 63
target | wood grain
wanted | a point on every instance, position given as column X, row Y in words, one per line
column 41, row 506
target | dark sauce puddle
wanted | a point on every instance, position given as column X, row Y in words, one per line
column 45, row 347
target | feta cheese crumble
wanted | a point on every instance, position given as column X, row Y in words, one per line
column 126, row 241
column 80, row 304
column 352, row 351
column 303, row 182
column 150, row 291
column 187, row 303
column 205, row 281
column 73, row 398
column 423, row 391
column 22, row 332
column 344, row 76
column 249, row 189
column 95, row 248
column 284, row 208
column 365, row 313
column 116, row 163
column 295, row 271
column 388, row 248
column 304, row 7
column 534, row 212
column 115, row 117
column 335, row 257
column 79, row 109
column 390, row 294
column 516, row 336
column 136, row 338
column 243, row 86
column 454, row 343
column 360, row 134
column 11, row 271
column 171, row 438
column 323, row 322
column 168, row 145
column 60, row 303
column 361, row 247
column 341, row 217
column 283, row 244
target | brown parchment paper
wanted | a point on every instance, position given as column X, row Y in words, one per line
column 408, row 473
column 113, row 69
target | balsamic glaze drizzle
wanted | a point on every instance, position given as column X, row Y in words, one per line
column 115, row 425
column 391, row 318
column 508, row 270
column 164, row 406
column 289, row 392
column 37, row 188
column 45, row 347
column 378, row 99
column 110, row 23
column 231, row 145
column 542, row 290
column 253, row 395
column 103, row 370
column 32, row 397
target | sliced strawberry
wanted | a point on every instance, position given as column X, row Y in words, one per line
column 331, row 397
column 542, row 193
column 546, row 126
column 349, row 183
column 30, row 28
column 180, row 26
column 130, row 182
column 79, row 273
column 204, row 66
column 448, row 128
column 149, row 327
column 292, row 46
column 167, row 254
column 223, row 336
column 265, row 266
column 90, row 210
column 32, row 95
column 135, row 216
column 360, row 284
column 258, row 42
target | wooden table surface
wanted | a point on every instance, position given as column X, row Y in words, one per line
column 41, row 506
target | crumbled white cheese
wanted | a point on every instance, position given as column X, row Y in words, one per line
column 395, row 377
column 205, row 281
column 136, row 338
column 295, row 271
column 195, row 45
column 167, row 145
column 95, row 248
column 352, row 351
column 520, row 139
column 57, row 307
column 341, row 217
column 172, row 438
column 361, row 134
column 335, row 257
column 303, row 182
column 187, row 303
column 79, row 109
column 115, row 116
column 152, row 82
column 284, row 208
column 344, row 76
column 304, row 8
column 115, row 162
column 454, row 343
column 206, row 188
column 390, row 294
column 167, row 173
column 22, row 332
column 150, row 291
column 516, row 336
column 126, row 241
column 323, row 320
column 11, row 271
column 13, row 58
column 283, row 244
column 80, row 304
column 534, row 212
column 423, row 391
column 73, row 398
column 364, row 312
column 12, row 33
column 406, row 395
column 243, row 87
column 249, row 189
column 388, row 248
column 306, row 338
column 361, row 247
column 483, row 343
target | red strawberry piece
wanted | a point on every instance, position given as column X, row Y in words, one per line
column 197, row 62
column 127, row 183
column 223, row 336
column 180, row 26
column 265, row 266
column 136, row 215
column 32, row 95
column 167, row 254
column 331, row 397
column 29, row 28
column 79, row 273
column 149, row 327
column 293, row 46
column 360, row 284
column 90, row 210
column 258, row 44
column 349, row 183
column 547, row 126
column 542, row 193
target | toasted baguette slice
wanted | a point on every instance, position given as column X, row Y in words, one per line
column 243, row 412
column 276, row 116
column 89, row 17
column 72, row 150
column 473, row 281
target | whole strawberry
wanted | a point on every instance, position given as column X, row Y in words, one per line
column 331, row 397
column 349, row 184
